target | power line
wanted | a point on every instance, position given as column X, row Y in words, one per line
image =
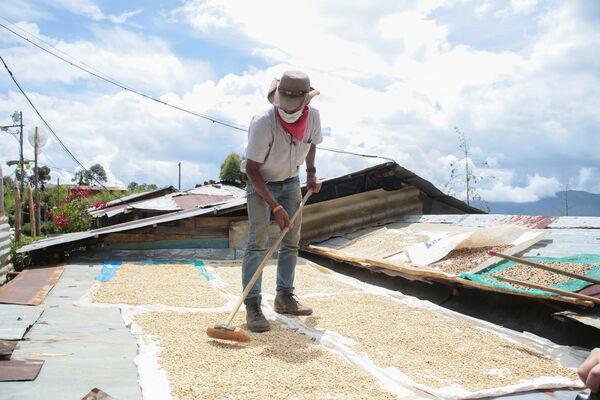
column 126, row 88
column 100, row 75
column 52, row 131
column 354, row 154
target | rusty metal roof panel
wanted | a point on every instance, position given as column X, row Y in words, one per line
column 31, row 286
column 171, row 200
column 143, row 195
column 17, row 369
column 191, row 201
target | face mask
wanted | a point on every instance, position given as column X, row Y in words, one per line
column 290, row 118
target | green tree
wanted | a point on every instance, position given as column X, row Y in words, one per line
column 95, row 173
column 230, row 169
column 7, row 181
column 134, row 187
column 463, row 179
column 43, row 176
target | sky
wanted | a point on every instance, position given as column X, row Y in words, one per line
column 520, row 80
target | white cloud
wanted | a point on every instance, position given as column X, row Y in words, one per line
column 82, row 7
column 392, row 84
column 142, row 63
column 537, row 187
column 523, row 6
column 123, row 17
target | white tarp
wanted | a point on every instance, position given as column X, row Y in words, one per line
column 438, row 247
column 155, row 384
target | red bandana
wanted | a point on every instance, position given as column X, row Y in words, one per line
column 298, row 128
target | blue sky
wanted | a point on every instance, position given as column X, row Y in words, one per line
column 520, row 78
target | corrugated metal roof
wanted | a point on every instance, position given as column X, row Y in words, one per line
column 190, row 201
column 121, row 205
column 387, row 176
column 226, row 207
column 481, row 220
column 566, row 236
column 172, row 201
column 219, row 190
column 391, row 176
column 141, row 195
column 164, row 203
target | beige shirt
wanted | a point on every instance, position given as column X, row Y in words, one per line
column 279, row 153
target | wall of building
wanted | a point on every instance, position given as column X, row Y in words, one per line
column 5, row 262
column 198, row 232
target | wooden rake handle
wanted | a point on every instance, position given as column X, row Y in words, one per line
column 549, row 289
column 266, row 259
column 541, row 266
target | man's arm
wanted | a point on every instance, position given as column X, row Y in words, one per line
column 281, row 215
column 312, row 182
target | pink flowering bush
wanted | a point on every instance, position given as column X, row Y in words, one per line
column 99, row 204
column 72, row 214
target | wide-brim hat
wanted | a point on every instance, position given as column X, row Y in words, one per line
column 292, row 91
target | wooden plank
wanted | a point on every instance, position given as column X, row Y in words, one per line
column 217, row 221
column 570, row 300
column 204, row 231
column 549, row 289
column 149, row 237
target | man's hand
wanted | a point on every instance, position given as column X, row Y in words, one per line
column 282, row 218
column 312, row 182
column 589, row 371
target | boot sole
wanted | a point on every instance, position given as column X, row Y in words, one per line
column 259, row 329
column 281, row 311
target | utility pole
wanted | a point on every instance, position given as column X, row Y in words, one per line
column 36, row 211
column 1, row 192
column 179, row 175
column 17, row 119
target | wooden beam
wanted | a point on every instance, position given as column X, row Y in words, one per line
column 548, row 289
column 149, row 237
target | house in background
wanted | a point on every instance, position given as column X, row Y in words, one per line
column 214, row 216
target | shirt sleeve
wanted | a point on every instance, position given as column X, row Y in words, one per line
column 317, row 136
column 260, row 139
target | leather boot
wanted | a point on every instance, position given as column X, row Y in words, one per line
column 254, row 317
column 286, row 303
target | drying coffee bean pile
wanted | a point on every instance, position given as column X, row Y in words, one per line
column 530, row 274
column 464, row 260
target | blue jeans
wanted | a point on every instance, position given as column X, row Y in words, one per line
column 288, row 194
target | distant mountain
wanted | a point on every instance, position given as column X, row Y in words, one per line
column 579, row 203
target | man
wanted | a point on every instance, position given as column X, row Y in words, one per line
column 279, row 140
